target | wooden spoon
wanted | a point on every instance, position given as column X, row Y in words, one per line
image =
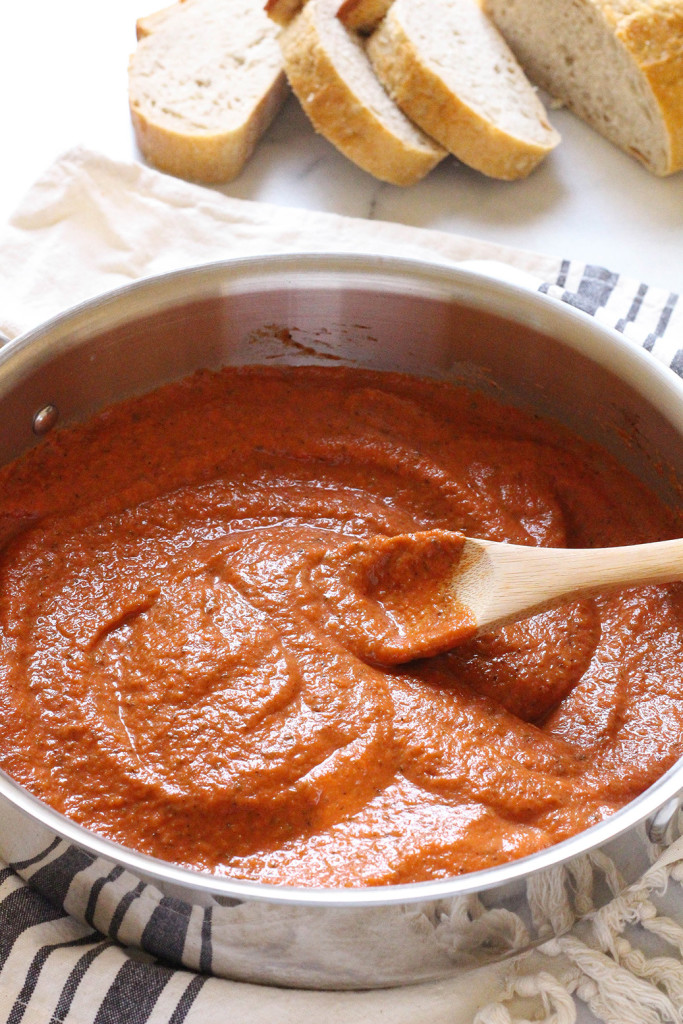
column 421, row 594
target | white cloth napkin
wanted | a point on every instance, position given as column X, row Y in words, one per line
column 90, row 224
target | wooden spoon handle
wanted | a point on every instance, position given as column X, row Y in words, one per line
column 500, row 582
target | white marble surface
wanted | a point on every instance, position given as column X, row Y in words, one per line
column 63, row 82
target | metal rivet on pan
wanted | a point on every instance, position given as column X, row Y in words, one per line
column 45, row 419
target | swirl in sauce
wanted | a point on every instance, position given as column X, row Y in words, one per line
column 174, row 676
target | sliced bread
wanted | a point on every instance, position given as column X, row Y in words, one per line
column 330, row 74
column 205, row 81
column 363, row 15
column 617, row 64
column 450, row 70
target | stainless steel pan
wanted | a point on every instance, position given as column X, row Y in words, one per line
column 385, row 314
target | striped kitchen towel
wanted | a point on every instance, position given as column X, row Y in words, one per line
column 648, row 316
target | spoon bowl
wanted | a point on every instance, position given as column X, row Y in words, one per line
column 421, row 594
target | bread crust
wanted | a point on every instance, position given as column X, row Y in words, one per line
column 338, row 112
column 424, row 95
column 363, row 15
column 282, row 11
column 210, row 154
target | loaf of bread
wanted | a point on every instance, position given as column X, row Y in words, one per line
column 618, row 64
column 205, row 82
column 451, row 72
column 329, row 72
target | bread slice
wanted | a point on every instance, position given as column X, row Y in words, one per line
column 204, row 84
column 330, row 74
column 363, row 15
column 453, row 74
column 617, row 64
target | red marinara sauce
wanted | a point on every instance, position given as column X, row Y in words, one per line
column 168, row 677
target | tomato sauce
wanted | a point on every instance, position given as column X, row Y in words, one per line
column 175, row 676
